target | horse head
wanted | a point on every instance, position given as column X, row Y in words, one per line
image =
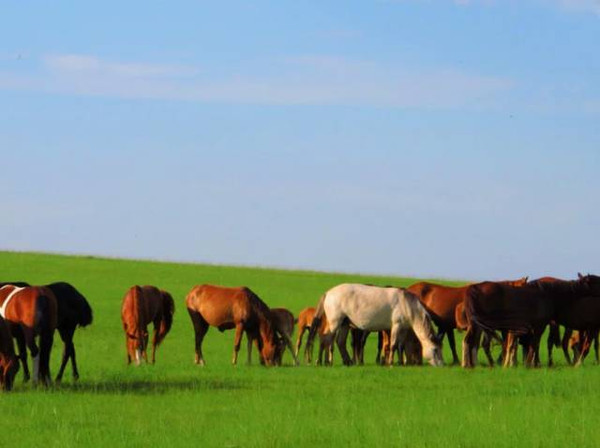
column 268, row 345
column 8, row 371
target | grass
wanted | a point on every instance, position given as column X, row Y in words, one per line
column 175, row 403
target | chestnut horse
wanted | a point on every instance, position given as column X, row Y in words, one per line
column 227, row 308
column 141, row 306
column 9, row 363
column 73, row 310
column 31, row 311
column 305, row 319
column 374, row 308
column 441, row 302
column 525, row 310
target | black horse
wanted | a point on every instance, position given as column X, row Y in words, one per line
column 73, row 310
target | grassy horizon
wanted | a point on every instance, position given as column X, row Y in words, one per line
column 175, row 403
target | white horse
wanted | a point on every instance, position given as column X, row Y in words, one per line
column 374, row 308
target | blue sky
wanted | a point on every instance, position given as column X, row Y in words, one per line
column 455, row 139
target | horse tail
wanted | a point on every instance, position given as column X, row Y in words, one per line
column 316, row 323
column 46, row 312
column 554, row 335
column 86, row 315
column 168, row 309
column 499, row 320
column 137, row 295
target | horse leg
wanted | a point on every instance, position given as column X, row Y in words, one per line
column 20, row 337
column 486, row 344
column 68, row 351
column 470, row 346
column 239, row 330
column 565, row 344
column 452, row 344
column 596, row 345
column 200, row 329
column 342, row 335
column 511, row 350
column 34, row 351
column 301, row 331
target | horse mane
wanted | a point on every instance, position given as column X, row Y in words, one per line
column 257, row 305
column 421, row 316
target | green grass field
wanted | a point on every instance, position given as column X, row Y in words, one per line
column 176, row 403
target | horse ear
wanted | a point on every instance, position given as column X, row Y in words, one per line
column 526, row 279
column 579, row 275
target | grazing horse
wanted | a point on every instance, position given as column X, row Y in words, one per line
column 31, row 311
column 305, row 318
column 410, row 353
column 73, row 310
column 374, row 308
column 9, row 362
column 283, row 323
column 526, row 310
column 141, row 306
column 227, row 308
column 441, row 303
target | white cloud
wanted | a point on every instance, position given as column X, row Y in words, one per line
column 296, row 80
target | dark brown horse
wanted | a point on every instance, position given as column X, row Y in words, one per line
column 73, row 310
column 441, row 303
column 143, row 305
column 9, row 362
column 525, row 310
column 283, row 322
column 31, row 311
column 227, row 308
column 410, row 352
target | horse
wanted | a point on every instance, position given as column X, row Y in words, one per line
column 410, row 353
column 580, row 343
column 374, row 308
column 227, row 308
column 141, row 306
column 31, row 311
column 9, row 362
column 305, row 318
column 73, row 310
column 283, row 323
column 441, row 303
column 524, row 310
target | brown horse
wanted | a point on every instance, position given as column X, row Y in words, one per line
column 441, row 303
column 410, row 352
column 227, row 308
column 141, row 306
column 9, row 363
column 31, row 312
column 283, row 323
column 524, row 310
column 305, row 320
column 73, row 310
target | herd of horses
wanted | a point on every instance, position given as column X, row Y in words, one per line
column 510, row 313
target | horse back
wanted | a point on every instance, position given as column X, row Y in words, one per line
column 221, row 306
column 439, row 300
column 34, row 307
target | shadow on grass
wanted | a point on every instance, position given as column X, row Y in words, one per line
column 143, row 387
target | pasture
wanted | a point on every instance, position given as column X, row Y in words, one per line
column 176, row 403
